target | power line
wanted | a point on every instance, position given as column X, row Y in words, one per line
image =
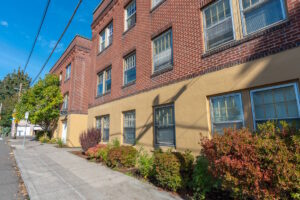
column 57, row 42
column 37, row 35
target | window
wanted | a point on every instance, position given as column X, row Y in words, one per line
column 104, row 82
column 226, row 112
column 60, row 76
column 155, row 2
column 275, row 103
column 164, row 125
column 106, row 37
column 65, row 102
column 130, row 69
column 107, row 81
column 129, row 127
column 102, row 123
column 257, row 14
column 68, row 71
column 130, row 15
column 162, row 51
column 218, row 24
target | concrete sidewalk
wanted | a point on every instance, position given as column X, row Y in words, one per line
column 52, row 173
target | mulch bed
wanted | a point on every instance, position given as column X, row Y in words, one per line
column 79, row 153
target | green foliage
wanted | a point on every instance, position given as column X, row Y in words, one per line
column 44, row 139
column 115, row 143
column 53, row 141
column 43, row 102
column 202, row 181
column 93, row 152
column 167, row 170
column 60, row 143
column 9, row 89
column 122, row 157
column 257, row 166
column 102, row 153
column 186, row 160
column 145, row 163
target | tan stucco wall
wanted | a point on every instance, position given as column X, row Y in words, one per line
column 77, row 123
column 190, row 99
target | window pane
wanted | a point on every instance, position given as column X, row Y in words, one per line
column 226, row 112
column 219, row 128
column 98, row 123
column 108, row 81
column 130, row 69
column 227, row 108
column 131, row 14
column 266, row 13
column 165, row 125
column 106, row 129
column 129, row 127
column 218, row 27
column 163, row 51
column 276, row 103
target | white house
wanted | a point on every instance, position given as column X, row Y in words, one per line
column 27, row 128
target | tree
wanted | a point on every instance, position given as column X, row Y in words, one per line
column 9, row 94
column 43, row 102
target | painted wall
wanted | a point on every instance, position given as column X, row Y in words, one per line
column 191, row 96
column 77, row 123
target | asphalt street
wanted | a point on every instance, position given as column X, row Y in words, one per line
column 9, row 181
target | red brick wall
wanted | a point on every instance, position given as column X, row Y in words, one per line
column 78, row 54
column 189, row 56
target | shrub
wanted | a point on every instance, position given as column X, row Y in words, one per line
column 92, row 152
column 122, row 157
column 115, row 143
column 261, row 166
column 166, row 168
column 102, row 153
column 186, row 160
column 90, row 139
column 60, row 143
column 145, row 163
column 44, row 139
column 202, row 182
column 52, row 141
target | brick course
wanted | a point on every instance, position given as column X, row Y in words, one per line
column 190, row 59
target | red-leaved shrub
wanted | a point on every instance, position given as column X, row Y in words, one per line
column 259, row 166
column 93, row 151
column 90, row 138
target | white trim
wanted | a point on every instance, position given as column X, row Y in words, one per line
column 295, row 85
column 226, row 122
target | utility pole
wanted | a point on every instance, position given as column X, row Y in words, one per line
column 15, row 123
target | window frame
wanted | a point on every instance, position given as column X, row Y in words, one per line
column 124, row 113
column 241, row 13
column 64, row 106
column 226, row 122
column 106, row 32
column 296, row 89
column 126, row 27
column 204, row 25
column 68, row 72
column 101, row 118
column 104, row 80
column 168, row 66
column 173, row 143
column 124, row 64
column 157, row 4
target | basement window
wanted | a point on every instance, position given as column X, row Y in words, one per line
column 226, row 112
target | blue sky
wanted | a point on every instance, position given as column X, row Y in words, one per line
column 19, row 21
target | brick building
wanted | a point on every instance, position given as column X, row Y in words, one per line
column 73, row 69
column 165, row 72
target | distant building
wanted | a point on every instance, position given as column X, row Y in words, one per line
column 24, row 128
